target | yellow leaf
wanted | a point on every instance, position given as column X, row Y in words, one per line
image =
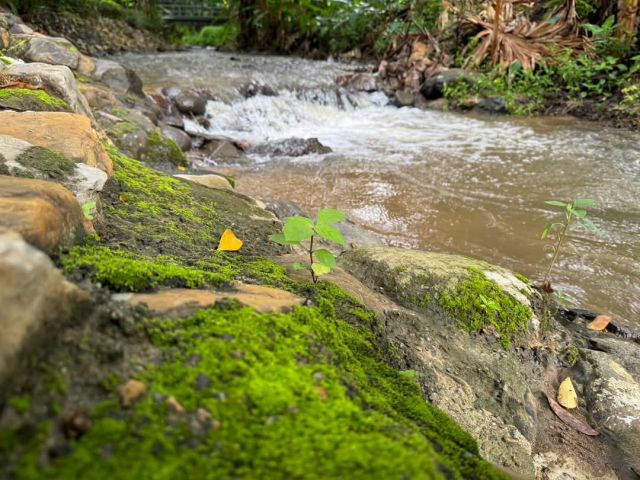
column 181, row 168
column 600, row 323
column 567, row 396
column 229, row 242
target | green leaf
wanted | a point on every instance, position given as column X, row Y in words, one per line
column 545, row 232
column 584, row 202
column 591, row 226
column 297, row 229
column 325, row 257
column 320, row 269
column 331, row 216
column 279, row 238
column 580, row 213
column 329, row 233
column 87, row 210
column 556, row 203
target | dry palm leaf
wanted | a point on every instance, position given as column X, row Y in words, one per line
column 509, row 37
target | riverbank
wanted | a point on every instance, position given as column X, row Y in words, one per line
column 141, row 351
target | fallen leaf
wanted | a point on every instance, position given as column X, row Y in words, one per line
column 322, row 393
column 181, row 168
column 229, row 242
column 122, row 199
column 600, row 323
column 567, row 396
column 574, row 422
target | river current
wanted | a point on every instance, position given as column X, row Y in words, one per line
column 474, row 185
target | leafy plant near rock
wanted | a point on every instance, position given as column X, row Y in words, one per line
column 301, row 229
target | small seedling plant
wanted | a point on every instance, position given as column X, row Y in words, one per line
column 304, row 232
column 575, row 213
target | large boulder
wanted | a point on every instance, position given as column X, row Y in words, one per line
column 177, row 135
column 54, row 51
column 438, row 325
column 433, row 87
column 69, row 134
column 46, row 214
column 35, row 299
column 116, row 76
column 58, row 80
column 21, row 159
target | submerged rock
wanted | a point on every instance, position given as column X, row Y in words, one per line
column 36, row 300
column 292, row 147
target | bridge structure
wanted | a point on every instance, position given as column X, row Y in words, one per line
column 192, row 12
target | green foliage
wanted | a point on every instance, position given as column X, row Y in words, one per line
column 213, row 36
column 301, row 229
column 478, row 302
column 574, row 212
column 88, row 209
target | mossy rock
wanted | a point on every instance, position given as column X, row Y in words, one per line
column 473, row 293
column 22, row 99
column 39, row 162
column 164, row 150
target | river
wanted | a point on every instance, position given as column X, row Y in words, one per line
column 474, row 185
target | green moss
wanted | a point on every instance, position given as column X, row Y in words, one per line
column 121, row 129
column 572, row 354
column 21, row 404
column 47, row 162
column 478, row 302
column 124, row 271
column 23, row 99
column 164, row 150
column 522, row 278
column 294, row 396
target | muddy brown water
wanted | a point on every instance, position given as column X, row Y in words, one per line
column 431, row 180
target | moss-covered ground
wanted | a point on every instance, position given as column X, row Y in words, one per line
column 314, row 393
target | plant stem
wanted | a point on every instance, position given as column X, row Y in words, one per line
column 556, row 251
column 313, row 275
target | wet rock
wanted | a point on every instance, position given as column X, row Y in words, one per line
column 131, row 392
column 223, row 152
column 257, row 88
column 283, row 209
column 36, row 301
column 613, row 401
column 179, row 302
column 80, row 142
column 494, row 106
column 404, row 98
column 46, row 214
column 210, row 181
column 364, row 82
column 191, row 103
column 433, row 87
column 179, row 136
column 116, row 76
column 56, row 79
column 495, row 403
column 54, row 51
column 292, row 147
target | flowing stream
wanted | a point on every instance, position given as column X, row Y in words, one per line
column 473, row 185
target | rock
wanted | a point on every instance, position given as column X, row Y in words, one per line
column 27, row 99
column 46, row 214
column 79, row 143
column 613, row 401
column 174, row 406
column 131, row 392
column 20, row 28
column 5, row 39
column 100, row 98
column 191, row 103
column 440, row 104
column 363, row 82
column 494, row 106
column 58, row 80
column 223, row 152
column 254, row 88
column 36, row 301
column 292, row 147
column 404, row 98
column 470, row 377
column 283, row 209
column 54, row 51
column 205, row 419
column 119, row 78
column 210, row 181
column 179, row 136
column 178, row 302
column 433, row 87
column 86, row 66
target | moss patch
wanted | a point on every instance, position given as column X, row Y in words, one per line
column 164, row 150
column 477, row 302
column 42, row 162
column 301, row 395
column 26, row 99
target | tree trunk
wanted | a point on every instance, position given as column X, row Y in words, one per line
column 627, row 18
